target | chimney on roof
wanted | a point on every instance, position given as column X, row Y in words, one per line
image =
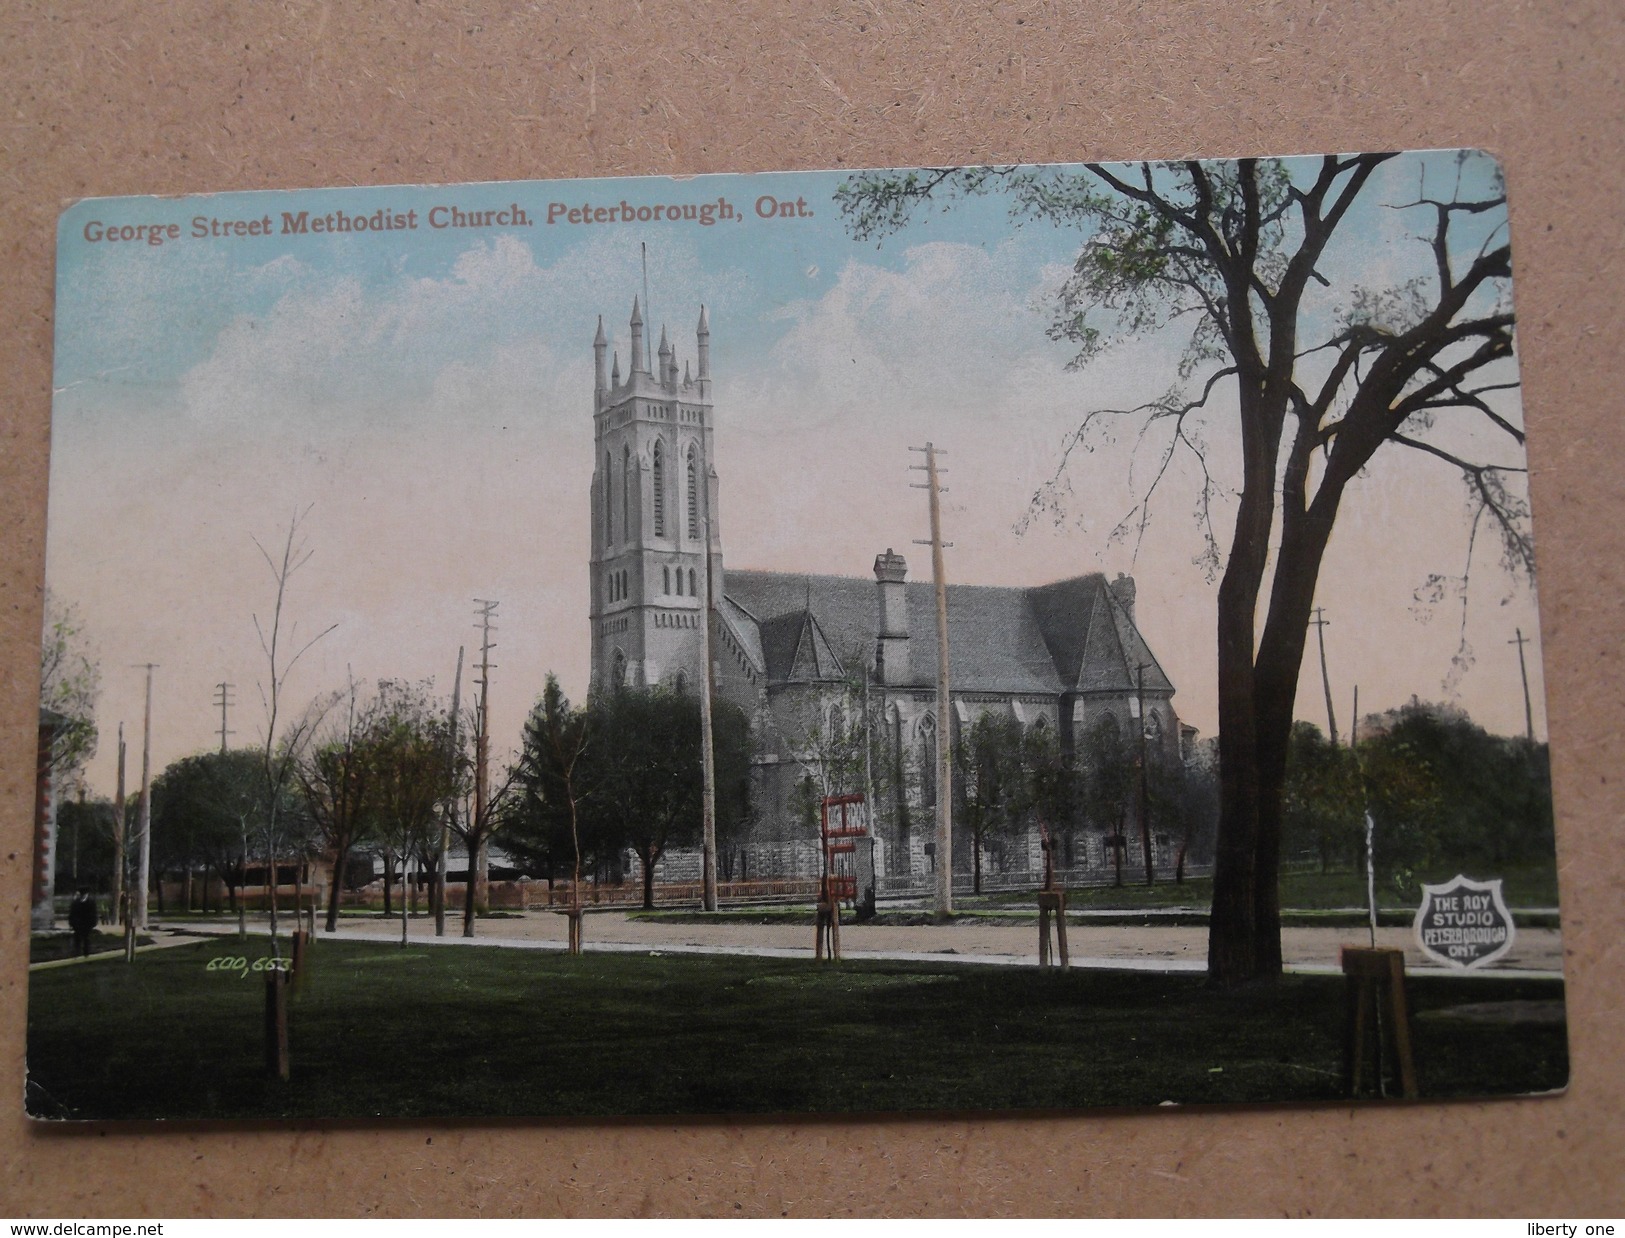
column 891, row 648
column 1123, row 591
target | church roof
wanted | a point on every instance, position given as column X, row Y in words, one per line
column 1073, row 635
column 746, row 630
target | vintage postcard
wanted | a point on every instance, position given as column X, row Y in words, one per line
column 975, row 638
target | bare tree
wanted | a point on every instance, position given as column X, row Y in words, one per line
column 280, row 754
column 1235, row 255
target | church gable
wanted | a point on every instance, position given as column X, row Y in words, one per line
column 1135, row 652
column 1063, row 611
column 1092, row 637
column 846, row 610
column 1105, row 666
column 797, row 651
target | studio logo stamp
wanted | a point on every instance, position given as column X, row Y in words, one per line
column 1464, row 923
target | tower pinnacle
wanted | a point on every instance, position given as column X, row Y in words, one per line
column 599, row 344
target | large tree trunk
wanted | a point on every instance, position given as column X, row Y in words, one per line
column 468, row 890
column 1233, row 921
column 1119, row 846
column 1304, row 535
column 389, row 884
column 341, row 860
column 648, row 858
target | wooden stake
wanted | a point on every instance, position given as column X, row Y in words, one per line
column 276, row 1024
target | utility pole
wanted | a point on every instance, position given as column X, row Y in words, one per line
column 1145, row 794
column 144, row 811
column 119, row 823
column 1370, row 825
column 708, row 765
column 451, row 803
column 945, row 827
column 1320, row 622
column 868, row 756
column 482, row 742
column 222, row 698
column 1523, row 670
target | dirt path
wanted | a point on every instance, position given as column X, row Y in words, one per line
column 1172, row 946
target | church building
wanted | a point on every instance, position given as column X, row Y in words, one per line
column 806, row 655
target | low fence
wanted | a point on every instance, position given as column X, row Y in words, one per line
column 523, row 895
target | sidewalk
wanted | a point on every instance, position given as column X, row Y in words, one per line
column 1145, row 948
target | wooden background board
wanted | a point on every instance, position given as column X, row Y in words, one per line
column 119, row 98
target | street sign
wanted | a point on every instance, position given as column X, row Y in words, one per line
column 1464, row 923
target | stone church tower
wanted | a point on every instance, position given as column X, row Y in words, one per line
column 654, row 510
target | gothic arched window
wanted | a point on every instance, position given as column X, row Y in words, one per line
column 692, row 591
column 681, row 683
column 928, row 761
column 659, row 478
column 626, row 491
column 665, row 576
column 617, row 673
column 693, row 496
column 609, row 503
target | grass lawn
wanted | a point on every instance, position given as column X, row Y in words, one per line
column 457, row 1031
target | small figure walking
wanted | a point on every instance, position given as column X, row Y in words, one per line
column 82, row 919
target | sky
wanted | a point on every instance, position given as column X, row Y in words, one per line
column 423, row 396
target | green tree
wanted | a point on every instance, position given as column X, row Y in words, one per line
column 1323, row 807
column 407, row 745
column 645, row 766
column 1051, row 793
column 69, row 683
column 1106, row 767
column 338, row 780
column 1235, row 257
column 555, row 778
column 1447, row 795
column 990, row 782
column 84, row 844
column 208, row 809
